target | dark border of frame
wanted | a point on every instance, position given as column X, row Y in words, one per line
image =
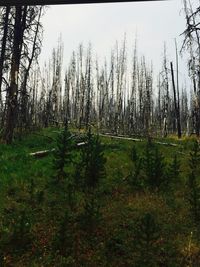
column 63, row 2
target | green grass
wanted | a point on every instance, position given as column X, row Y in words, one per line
column 118, row 240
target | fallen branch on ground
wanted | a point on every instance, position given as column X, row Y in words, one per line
column 44, row 153
column 121, row 137
column 41, row 154
column 136, row 139
column 166, row 144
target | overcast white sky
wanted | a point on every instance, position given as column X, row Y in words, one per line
column 103, row 24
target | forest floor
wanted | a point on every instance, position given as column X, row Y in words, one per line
column 139, row 225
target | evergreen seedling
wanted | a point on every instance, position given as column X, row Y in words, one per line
column 193, row 183
column 62, row 189
column 63, row 154
column 63, row 241
column 173, row 172
column 134, row 154
column 92, row 162
column 147, row 234
column 92, row 172
column 135, row 179
column 153, row 166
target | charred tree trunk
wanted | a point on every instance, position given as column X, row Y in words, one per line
column 3, row 45
column 175, row 103
column 24, row 96
column 11, row 114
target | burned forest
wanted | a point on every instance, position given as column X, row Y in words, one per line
column 99, row 154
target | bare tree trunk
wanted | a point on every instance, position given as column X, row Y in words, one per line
column 3, row 45
column 88, row 103
column 12, row 103
column 175, row 103
column 2, row 59
column 24, row 97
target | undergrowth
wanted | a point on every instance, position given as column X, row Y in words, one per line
column 106, row 203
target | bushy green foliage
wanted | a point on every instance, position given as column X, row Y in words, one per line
column 194, row 183
column 90, row 172
column 173, row 173
column 63, row 241
column 19, row 214
column 194, row 157
column 153, row 165
column 63, row 154
column 147, row 235
column 92, row 162
column 89, row 216
column 149, row 169
column 136, row 179
column 134, row 154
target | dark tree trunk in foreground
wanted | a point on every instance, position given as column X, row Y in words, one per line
column 24, row 94
column 11, row 115
column 3, row 45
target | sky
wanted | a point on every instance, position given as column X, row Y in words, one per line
column 102, row 24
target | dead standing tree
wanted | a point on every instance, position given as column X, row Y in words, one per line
column 176, row 102
column 5, row 29
column 56, row 83
column 120, row 75
column 5, row 24
column 133, row 94
column 192, row 44
column 12, row 94
column 30, row 54
column 165, row 94
column 22, row 26
column 89, row 88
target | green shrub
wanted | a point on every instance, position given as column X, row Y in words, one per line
column 153, row 166
column 194, row 183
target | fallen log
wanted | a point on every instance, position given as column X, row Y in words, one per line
column 44, row 153
column 121, row 137
column 81, row 144
column 41, row 154
column 166, row 144
column 137, row 139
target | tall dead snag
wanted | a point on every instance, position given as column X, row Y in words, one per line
column 66, row 101
column 11, row 114
column 111, row 85
column 141, row 97
column 121, row 61
column 57, row 84
column 133, row 93
column 166, row 94
column 82, row 88
column 4, row 42
column 24, row 48
column 89, row 89
column 184, row 111
column 192, row 44
column 30, row 54
column 72, row 83
column 148, row 105
column 158, row 106
column 175, row 102
column 177, row 76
